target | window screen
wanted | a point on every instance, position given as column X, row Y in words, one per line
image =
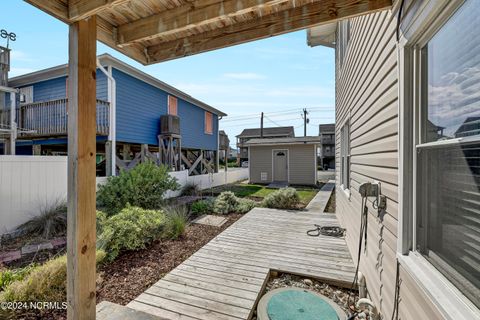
column 448, row 153
column 345, row 155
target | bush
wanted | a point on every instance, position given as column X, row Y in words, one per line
column 8, row 276
column 201, row 207
column 143, row 186
column 101, row 218
column 225, row 203
column 191, row 189
column 284, row 198
column 51, row 221
column 176, row 221
column 244, row 205
column 47, row 282
column 130, row 229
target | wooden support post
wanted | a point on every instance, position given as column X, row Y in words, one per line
column 81, row 170
column 126, row 152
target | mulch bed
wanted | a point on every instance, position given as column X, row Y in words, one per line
column 330, row 208
column 135, row 271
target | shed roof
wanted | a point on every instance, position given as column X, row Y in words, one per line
column 151, row 31
column 108, row 60
column 282, row 141
column 268, row 132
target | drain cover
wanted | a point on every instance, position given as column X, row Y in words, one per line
column 296, row 304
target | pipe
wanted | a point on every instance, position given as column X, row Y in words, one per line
column 368, row 308
column 112, row 98
column 362, row 286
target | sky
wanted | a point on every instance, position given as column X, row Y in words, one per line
column 279, row 76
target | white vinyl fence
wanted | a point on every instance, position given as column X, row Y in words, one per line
column 28, row 183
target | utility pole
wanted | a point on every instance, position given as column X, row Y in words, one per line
column 305, row 121
column 261, row 126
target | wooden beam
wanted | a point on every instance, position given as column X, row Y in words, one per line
column 299, row 17
column 81, row 9
column 197, row 13
column 81, row 233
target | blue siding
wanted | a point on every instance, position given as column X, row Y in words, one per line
column 139, row 107
column 56, row 88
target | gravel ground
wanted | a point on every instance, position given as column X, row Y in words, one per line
column 336, row 294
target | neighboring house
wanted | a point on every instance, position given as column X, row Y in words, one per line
column 327, row 146
column 425, row 152
column 223, row 144
column 247, row 134
column 140, row 101
column 283, row 160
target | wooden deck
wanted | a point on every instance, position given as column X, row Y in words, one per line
column 224, row 279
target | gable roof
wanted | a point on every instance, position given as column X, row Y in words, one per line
column 268, row 132
column 107, row 60
column 279, row 141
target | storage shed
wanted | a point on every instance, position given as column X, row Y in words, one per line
column 283, row 160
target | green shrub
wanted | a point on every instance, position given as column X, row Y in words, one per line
column 143, row 186
column 176, row 222
column 284, row 198
column 101, row 218
column 51, row 221
column 47, row 282
column 191, row 189
column 130, row 229
column 244, row 205
column 201, row 207
column 8, row 276
column 225, row 203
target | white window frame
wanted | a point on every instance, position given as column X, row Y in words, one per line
column 422, row 24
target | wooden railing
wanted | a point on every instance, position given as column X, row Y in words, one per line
column 49, row 118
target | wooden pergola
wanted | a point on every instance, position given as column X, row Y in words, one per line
column 152, row 31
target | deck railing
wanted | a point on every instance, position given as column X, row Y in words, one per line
column 49, row 118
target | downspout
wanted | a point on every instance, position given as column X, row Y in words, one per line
column 112, row 99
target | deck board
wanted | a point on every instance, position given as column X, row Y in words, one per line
column 224, row 278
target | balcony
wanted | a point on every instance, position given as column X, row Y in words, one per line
column 49, row 118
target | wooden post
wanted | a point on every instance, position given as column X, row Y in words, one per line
column 37, row 149
column 81, row 170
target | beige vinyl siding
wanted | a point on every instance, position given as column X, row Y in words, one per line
column 260, row 160
column 301, row 163
column 367, row 97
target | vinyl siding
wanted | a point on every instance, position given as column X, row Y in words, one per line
column 367, row 96
column 56, row 88
column 139, row 107
column 299, row 159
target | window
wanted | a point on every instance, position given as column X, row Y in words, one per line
column 447, row 157
column 172, row 105
column 345, row 156
column 208, row 122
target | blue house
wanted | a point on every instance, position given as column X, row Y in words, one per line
column 138, row 117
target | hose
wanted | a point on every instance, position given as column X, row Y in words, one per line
column 329, row 231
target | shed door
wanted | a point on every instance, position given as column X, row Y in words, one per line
column 280, row 165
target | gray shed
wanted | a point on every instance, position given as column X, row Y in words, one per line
column 283, row 160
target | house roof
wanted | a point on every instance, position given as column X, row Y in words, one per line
column 267, row 132
column 281, row 141
column 326, row 128
column 108, row 60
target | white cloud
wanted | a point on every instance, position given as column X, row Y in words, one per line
column 244, row 76
column 17, row 55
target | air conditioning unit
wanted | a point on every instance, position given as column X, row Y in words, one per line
column 169, row 124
